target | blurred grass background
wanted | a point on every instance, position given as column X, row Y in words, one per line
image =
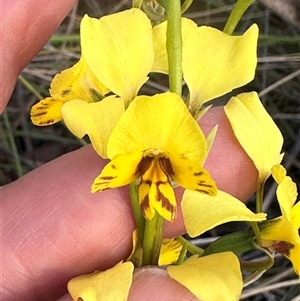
column 24, row 147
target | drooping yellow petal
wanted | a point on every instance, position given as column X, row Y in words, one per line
column 191, row 175
column 46, row 112
column 211, row 278
column 77, row 82
column 256, row 132
column 119, row 172
column 286, row 194
column 159, row 122
column 97, row 120
column 119, row 50
column 110, row 285
column 169, row 251
column 215, row 63
column 202, row 212
column 159, row 43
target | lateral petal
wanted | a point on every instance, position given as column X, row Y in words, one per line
column 119, row 50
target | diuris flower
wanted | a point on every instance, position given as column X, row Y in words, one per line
column 281, row 234
column 156, row 142
column 112, row 60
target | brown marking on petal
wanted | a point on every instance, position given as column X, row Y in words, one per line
column 113, row 166
column 47, row 122
column 202, row 191
column 144, row 204
column 143, row 166
column 79, row 299
column 198, row 174
column 39, row 114
column 107, row 178
column 166, row 166
column 65, row 92
column 203, row 184
column 282, row 247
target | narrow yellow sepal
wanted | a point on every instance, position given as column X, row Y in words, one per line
column 211, row 278
column 118, row 48
column 110, row 285
column 256, row 132
column 119, row 172
column 202, row 212
column 97, row 120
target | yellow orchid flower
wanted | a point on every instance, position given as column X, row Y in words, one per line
column 110, row 285
column 112, row 60
column 208, row 69
column 203, row 275
column 156, row 141
column 256, row 132
column 281, row 234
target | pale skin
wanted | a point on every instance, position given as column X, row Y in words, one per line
column 53, row 227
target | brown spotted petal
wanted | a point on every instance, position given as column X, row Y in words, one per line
column 46, row 112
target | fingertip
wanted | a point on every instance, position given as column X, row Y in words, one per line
column 154, row 283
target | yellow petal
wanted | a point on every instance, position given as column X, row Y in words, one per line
column 295, row 215
column 256, row 132
column 46, row 112
column 169, row 251
column 77, row 82
column 294, row 257
column 202, row 212
column 119, row 50
column 286, row 194
column 211, row 278
column 119, row 172
column 191, row 175
column 280, row 229
column 159, row 43
column 159, row 122
column 215, row 63
column 97, row 120
column 110, row 285
column 278, row 173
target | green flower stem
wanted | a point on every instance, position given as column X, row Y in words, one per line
column 138, row 216
column 10, row 135
column 153, row 236
column 236, row 14
column 189, row 246
column 174, row 45
column 259, row 197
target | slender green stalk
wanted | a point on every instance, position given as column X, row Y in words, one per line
column 259, row 197
column 138, row 216
column 256, row 231
column 189, row 246
column 182, row 255
column 152, row 240
column 186, row 4
column 174, row 45
column 236, row 14
column 9, row 132
column 29, row 86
